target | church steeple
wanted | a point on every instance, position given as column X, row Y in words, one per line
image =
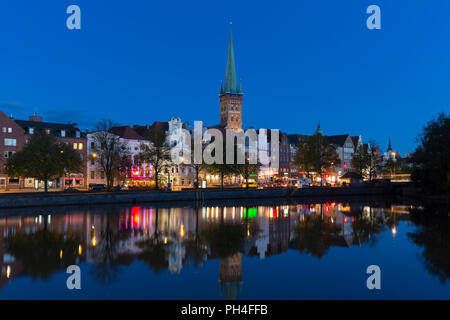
column 230, row 75
column 230, row 96
column 389, row 147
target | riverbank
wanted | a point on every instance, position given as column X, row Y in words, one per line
column 198, row 196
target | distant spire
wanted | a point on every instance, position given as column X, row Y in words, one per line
column 221, row 88
column 230, row 75
column 240, row 87
column 319, row 130
column 389, row 147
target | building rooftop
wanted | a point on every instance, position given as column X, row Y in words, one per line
column 55, row 128
column 126, row 132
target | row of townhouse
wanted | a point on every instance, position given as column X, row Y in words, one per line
column 141, row 174
column 15, row 134
column 345, row 145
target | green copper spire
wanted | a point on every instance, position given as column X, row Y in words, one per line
column 240, row 87
column 230, row 76
column 319, row 130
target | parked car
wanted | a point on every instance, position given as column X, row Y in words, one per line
column 97, row 187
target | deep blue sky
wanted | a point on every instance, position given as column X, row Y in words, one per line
column 301, row 62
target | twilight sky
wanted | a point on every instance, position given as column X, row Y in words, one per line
column 301, row 62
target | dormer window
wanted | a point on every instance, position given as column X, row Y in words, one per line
column 63, row 133
column 31, row 130
column 77, row 134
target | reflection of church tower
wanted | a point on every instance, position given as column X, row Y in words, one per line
column 231, row 96
column 231, row 276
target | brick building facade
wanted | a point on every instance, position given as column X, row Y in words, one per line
column 16, row 133
column 12, row 140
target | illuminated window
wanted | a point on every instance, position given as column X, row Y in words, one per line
column 30, row 130
column 9, row 130
column 63, row 133
column 75, row 145
column 80, row 146
column 47, row 131
column 10, row 142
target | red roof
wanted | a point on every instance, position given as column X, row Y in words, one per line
column 126, row 132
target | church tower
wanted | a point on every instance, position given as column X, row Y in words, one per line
column 230, row 97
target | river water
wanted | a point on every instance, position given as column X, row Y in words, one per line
column 243, row 250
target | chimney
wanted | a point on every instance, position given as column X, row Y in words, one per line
column 35, row 117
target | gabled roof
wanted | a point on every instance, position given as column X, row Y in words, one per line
column 55, row 128
column 147, row 130
column 293, row 138
column 338, row 140
column 126, row 132
column 355, row 140
column 366, row 147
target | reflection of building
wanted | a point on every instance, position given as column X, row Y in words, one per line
column 116, row 236
column 231, row 276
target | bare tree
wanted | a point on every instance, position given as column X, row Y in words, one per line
column 157, row 154
column 108, row 151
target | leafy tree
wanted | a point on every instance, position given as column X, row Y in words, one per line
column 108, row 151
column 431, row 159
column 246, row 169
column 303, row 157
column 390, row 167
column 361, row 160
column 223, row 169
column 315, row 235
column 225, row 239
column 432, row 234
column 316, row 153
column 157, row 154
column 43, row 252
column 44, row 158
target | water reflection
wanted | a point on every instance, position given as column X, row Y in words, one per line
column 168, row 239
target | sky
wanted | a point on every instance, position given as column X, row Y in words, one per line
column 301, row 63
